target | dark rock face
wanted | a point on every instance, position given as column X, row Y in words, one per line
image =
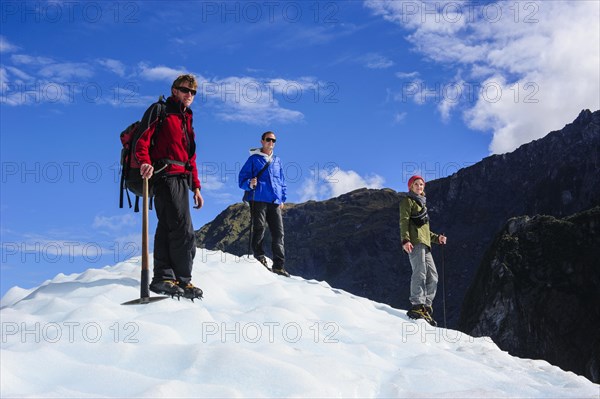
column 537, row 292
column 227, row 232
column 352, row 241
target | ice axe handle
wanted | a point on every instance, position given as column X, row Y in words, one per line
column 144, row 290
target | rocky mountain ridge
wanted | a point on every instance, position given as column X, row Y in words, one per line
column 536, row 293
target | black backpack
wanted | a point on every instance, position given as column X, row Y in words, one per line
column 421, row 218
column 131, row 180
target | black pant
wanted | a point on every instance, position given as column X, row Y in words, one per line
column 174, row 240
column 263, row 214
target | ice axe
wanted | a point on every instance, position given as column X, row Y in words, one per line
column 145, row 297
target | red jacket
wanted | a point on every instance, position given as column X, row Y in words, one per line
column 175, row 141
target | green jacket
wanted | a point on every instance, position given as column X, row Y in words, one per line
column 408, row 230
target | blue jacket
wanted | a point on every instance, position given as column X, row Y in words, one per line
column 271, row 186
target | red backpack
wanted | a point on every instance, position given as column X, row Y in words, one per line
column 131, row 180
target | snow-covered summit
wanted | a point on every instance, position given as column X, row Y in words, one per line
column 254, row 335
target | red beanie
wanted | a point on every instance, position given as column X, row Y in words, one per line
column 412, row 180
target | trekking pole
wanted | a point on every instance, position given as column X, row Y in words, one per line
column 145, row 281
column 251, row 225
column 444, row 287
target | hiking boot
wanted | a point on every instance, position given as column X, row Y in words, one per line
column 191, row 292
column 263, row 261
column 417, row 312
column 281, row 271
column 429, row 311
column 420, row 312
column 166, row 287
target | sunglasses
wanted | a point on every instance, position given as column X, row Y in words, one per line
column 270, row 140
column 186, row 90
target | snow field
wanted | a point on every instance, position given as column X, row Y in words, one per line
column 255, row 334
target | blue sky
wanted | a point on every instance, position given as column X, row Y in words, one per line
column 359, row 93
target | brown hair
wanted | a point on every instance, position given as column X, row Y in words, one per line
column 191, row 79
column 265, row 134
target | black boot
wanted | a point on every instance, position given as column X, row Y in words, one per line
column 191, row 292
column 281, row 271
column 429, row 311
column 417, row 312
column 263, row 261
column 166, row 287
column 420, row 312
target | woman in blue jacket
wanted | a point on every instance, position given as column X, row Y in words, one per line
column 263, row 180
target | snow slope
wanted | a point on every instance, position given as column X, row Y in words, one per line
column 254, row 335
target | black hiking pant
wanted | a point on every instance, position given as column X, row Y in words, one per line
column 174, row 240
column 263, row 214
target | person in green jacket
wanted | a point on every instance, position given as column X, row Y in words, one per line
column 416, row 242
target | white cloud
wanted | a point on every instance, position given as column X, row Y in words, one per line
column 3, row 81
column 67, row 71
column 335, row 182
column 399, row 117
column 543, row 65
column 6, row 46
column 429, row 17
column 115, row 66
column 376, row 61
column 259, row 113
column 411, row 75
column 39, row 79
column 23, row 76
column 315, row 35
column 25, row 59
column 9, row 96
column 211, row 182
column 128, row 97
column 114, row 223
column 342, row 182
column 257, row 101
column 161, row 72
column 290, row 87
column 415, row 90
column 47, row 69
column 450, row 97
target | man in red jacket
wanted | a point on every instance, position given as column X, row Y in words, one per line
column 166, row 151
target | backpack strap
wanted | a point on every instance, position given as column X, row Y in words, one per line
column 122, row 188
column 260, row 172
column 161, row 164
column 162, row 114
column 264, row 168
column 160, row 107
column 137, row 203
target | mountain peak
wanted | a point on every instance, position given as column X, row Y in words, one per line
column 586, row 116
